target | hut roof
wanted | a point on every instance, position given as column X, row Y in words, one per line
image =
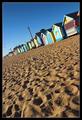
column 73, row 15
column 38, row 33
column 50, row 29
column 31, row 40
column 59, row 24
column 17, row 47
column 28, row 41
column 11, row 52
column 21, row 44
column 43, row 31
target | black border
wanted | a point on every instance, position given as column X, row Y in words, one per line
column 1, row 43
column 1, row 62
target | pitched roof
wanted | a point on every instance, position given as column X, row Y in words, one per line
column 28, row 41
column 73, row 15
column 20, row 45
column 15, row 48
column 59, row 24
column 31, row 40
column 50, row 29
column 38, row 33
column 11, row 52
column 43, row 31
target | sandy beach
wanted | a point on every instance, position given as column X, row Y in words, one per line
column 44, row 82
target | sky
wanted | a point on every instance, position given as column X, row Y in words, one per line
column 17, row 16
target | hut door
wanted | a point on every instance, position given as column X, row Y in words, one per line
column 39, row 41
column 49, row 38
column 26, row 47
column 45, row 40
column 36, row 42
column 57, row 34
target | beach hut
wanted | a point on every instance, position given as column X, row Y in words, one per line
column 78, row 25
column 50, row 36
column 22, row 49
column 71, row 23
column 16, row 50
column 24, row 45
column 43, row 36
column 10, row 53
column 58, row 31
column 32, row 44
column 19, row 48
column 38, row 38
column 29, row 44
column 25, row 48
column 36, row 42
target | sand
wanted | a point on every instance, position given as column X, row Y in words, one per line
column 44, row 82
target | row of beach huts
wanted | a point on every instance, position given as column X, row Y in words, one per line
column 59, row 31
